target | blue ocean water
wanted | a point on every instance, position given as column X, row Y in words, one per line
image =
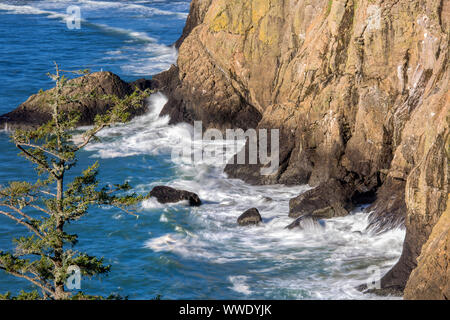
column 176, row 251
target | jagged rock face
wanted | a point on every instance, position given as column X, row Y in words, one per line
column 358, row 89
column 422, row 159
column 325, row 201
column 431, row 279
column 196, row 16
column 339, row 78
column 36, row 111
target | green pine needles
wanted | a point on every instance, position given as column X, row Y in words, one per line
column 44, row 207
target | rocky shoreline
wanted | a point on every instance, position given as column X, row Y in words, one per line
column 36, row 111
column 359, row 91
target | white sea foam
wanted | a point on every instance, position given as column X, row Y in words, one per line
column 148, row 134
column 13, row 9
column 27, row 9
column 239, row 284
column 151, row 203
column 163, row 218
column 141, row 36
column 146, row 59
column 323, row 262
column 44, row 7
column 130, row 6
column 150, row 59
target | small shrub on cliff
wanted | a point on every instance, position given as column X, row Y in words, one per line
column 46, row 256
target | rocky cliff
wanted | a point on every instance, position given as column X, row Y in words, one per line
column 430, row 279
column 359, row 91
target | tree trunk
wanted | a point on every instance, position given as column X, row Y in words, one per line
column 59, row 281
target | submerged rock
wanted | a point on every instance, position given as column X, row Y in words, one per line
column 383, row 292
column 249, row 217
column 306, row 221
column 170, row 195
column 325, row 201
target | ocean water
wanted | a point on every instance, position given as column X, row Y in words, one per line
column 172, row 250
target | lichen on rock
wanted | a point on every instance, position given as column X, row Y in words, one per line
column 358, row 89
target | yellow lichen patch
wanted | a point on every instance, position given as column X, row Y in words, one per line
column 232, row 16
column 260, row 8
column 266, row 35
column 240, row 13
column 297, row 24
column 220, row 22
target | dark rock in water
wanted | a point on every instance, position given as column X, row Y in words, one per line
column 325, row 201
column 37, row 111
column 303, row 220
column 167, row 82
column 249, row 217
column 170, row 195
column 382, row 292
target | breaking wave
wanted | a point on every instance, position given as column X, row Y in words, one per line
column 322, row 262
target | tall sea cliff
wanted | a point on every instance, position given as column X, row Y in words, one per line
column 359, row 90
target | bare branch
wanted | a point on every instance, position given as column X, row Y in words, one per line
column 37, row 161
column 48, row 193
column 22, row 222
column 35, row 281
column 23, row 214
column 43, row 150
column 89, row 137
column 40, row 209
column 125, row 210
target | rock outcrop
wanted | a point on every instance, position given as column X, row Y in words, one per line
column 422, row 161
column 250, row 217
column 36, row 111
column 431, row 279
column 170, row 195
column 324, row 201
column 358, row 89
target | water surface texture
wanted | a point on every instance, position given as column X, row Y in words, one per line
column 172, row 250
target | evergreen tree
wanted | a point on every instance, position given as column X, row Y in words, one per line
column 46, row 206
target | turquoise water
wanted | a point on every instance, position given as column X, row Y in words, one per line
column 176, row 251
